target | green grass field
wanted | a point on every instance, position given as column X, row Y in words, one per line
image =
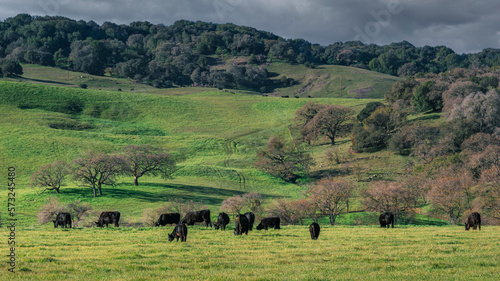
column 340, row 253
column 325, row 81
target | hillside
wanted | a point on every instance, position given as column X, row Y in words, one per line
column 325, row 81
column 320, row 82
column 216, row 135
column 41, row 124
column 187, row 52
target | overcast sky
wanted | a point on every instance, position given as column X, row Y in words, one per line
column 465, row 26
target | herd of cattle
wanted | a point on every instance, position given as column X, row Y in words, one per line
column 243, row 222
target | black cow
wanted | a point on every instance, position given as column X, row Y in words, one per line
column 474, row 220
column 251, row 219
column 107, row 218
column 180, row 231
column 199, row 216
column 386, row 219
column 168, row 218
column 314, row 230
column 222, row 221
column 241, row 223
column 63, row 219
column 269, row 222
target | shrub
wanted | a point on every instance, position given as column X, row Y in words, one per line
column 80, row 212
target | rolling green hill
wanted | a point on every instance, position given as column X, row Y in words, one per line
column 42, row 123
column 326, row 81
column 320, row 82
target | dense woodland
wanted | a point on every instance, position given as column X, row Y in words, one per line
column 187, row 53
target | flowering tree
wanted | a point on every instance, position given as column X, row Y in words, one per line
column 331, row 197
column 233, row 205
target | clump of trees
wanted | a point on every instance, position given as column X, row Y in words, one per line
column 10, row 68
column 453, row 185
column 95, row 169
column 283, row 160
column 314, row 120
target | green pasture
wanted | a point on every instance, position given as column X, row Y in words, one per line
column 215, row 135
column 327, row 80
column 340, row 253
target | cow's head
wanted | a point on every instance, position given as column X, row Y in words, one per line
column 55, row 224
column 171, row 237
column 260, row 227
column 467, row 226
column 99, row 224
column 157, row 223
column 216, row 226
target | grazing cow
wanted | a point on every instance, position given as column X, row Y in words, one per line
column 269, row 222
column 108, row 217
column 386, row 219
column 251, row 219
column 168, row 218
column 222, row 221
column 63, row 219
column 314, row 230
column 180, row 231
column 474, row 220
column 199, row 216
column 241, row 223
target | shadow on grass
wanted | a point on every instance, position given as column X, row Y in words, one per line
column 44, row 81
column 426, row 221
column 156, row 192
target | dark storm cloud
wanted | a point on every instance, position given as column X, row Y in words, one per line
column 462, row 25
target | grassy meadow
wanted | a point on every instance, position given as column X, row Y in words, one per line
column 327, row 80
column 340, row 253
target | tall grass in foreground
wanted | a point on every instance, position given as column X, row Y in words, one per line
column 340, row 253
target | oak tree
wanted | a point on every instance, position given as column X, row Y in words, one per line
column 50, row 176
column 282, row 160
column 97, row 169
column 145, row 159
